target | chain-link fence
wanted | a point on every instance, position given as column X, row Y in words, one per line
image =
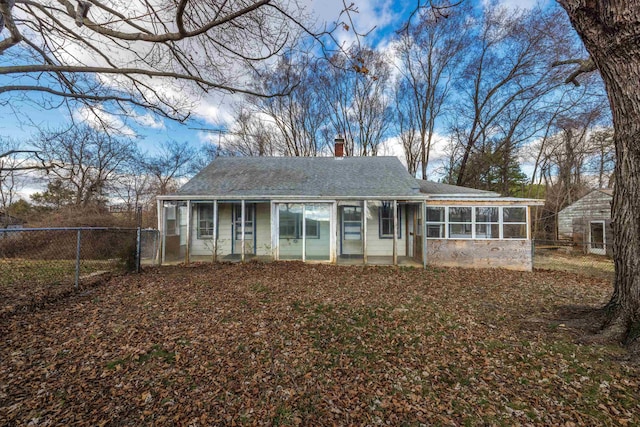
column 587, row 258
column 40, row 264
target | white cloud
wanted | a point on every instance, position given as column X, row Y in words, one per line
column 98, row 118
column 147, row 120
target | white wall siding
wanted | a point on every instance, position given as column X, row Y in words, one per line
column 377, row 246
column 263, row 229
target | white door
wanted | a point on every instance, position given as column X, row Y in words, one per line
column 597, row 238
column 249, row 228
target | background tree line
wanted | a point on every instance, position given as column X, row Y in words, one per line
column 467, row 98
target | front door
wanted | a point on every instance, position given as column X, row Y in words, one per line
column 417, row 227
column 597, row 238
column 351, row 226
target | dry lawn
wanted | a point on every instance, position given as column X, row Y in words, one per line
column 295, row 344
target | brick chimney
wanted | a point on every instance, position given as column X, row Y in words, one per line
column 339, row 146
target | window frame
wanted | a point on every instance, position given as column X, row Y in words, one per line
column 474, row 222
column 381, row 220
column 199, row 234
column 470, row 224
column 296, row 218
column 520, row 223
column 442, row 225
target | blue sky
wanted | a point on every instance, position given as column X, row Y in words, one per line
column 19, row 119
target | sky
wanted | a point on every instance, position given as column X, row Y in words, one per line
column 20, row 120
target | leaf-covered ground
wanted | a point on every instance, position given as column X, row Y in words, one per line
column 295, row 344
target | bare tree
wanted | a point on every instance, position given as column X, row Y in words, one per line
column 10, row 176
column 171, row 162
column 505, row 84
column 297, row 118
column 133, row 190
column 406, row 126
column 86, row 161
column 429, row 52
column 115, row 55
column 602, row 157
column 357, row 94
column 249, row 136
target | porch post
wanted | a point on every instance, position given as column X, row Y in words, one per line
column 423, row 206
column 395, row 232
column 364, row 232
column 242, row 206
column 214, row 256
column 274, row 230
column 188, row 245
column 304, row 232
column 161, row 230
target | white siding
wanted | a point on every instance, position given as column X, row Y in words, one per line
column 377, row 246
column 263, row 229
column 204, row 246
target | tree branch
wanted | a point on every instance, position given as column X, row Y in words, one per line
column 584, row 66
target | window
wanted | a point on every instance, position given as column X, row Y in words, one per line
column 435, row 222
column 460, row 223
column 514, row 222
column 288, row 225
column 205, row 221
column 385, row 218
column 476, row 222
column 291, row 224
column 312, row 228
column 487, row 222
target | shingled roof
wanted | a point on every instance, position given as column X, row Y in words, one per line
column 439, row 189
column 322, row 177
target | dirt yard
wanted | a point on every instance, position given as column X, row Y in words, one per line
column 295, row 344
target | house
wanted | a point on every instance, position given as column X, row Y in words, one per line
column 587, row 222
column 365, row 210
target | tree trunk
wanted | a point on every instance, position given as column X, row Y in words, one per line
column 610, row 32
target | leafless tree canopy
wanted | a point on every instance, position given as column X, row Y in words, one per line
column 147, row 53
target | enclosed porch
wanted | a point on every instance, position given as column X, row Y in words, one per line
column 375, row 232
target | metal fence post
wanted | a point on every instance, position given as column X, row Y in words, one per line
column 138, row 248
column 78, row 245
column 139, row 240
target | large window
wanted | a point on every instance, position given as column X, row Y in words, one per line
column 308, row 240
column 291, row 224
column 385, row 225
column 476, row 222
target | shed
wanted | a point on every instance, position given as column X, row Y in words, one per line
column 587, row 222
